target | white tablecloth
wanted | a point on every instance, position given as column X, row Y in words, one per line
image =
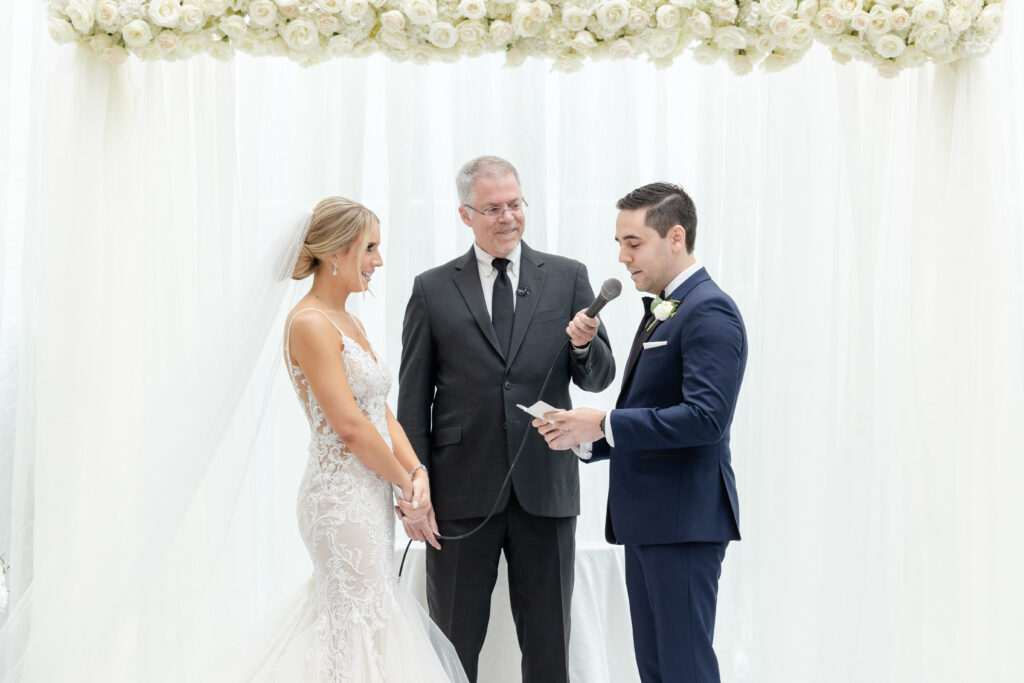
column 601, row 645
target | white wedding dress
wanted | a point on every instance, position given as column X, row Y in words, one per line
column 353, row 622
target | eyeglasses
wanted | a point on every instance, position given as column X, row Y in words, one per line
column 515, row 208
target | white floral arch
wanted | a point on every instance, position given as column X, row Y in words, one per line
column 891, row 34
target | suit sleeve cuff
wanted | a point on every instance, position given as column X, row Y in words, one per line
column 582, row 352
column 584, row 451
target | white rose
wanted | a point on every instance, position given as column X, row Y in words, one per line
column 638, row 19
column 741, row 65
column 515, row 57
column 501, row 32
column 668, row 16
column 930, row 38
column 340, row 46
column 574, row 18
column 780, row 25
column 191, row 18
column 912, row 57
column 849, row 46
column 705, row 54
column 890, row 46
column 779, row 6
column 115, row 54
column 523, row 21
column 846, row 8
column 881, row 19
column 801, row 35
column 958, row 19
column 900, row 19
column 167, row 41
column 328, row 24
column 366, row 48
column 263, row 13
column 329, row 6
column 972, row 7
column 473, row 9
column 928, row 13
column 392, row 20
column 192, row 44
column 232, row 26
column 807, row 10
column 539, row 10
column 568, row 62
column 421, row 12
column 106, row 13
column 623, row 47
column 830, row 21
column 166, row 13
column 61, row 30
column 80, row 14
column 355, row 10
column 700, row 25
column 887, row 69
column 583, row 42
column 684, row 4
column 728, row 14
column 776, row 61
column 662, row 42
column 300, row 34
column 723, row 3
column 860, row 21
column 290, row 12
column 214, row 7
column 395, row 39
column 442, row 34
column 98, row 43
column 222, row 51
column 136, row 33
column 730, row 38
column 990, row 21
column 471, row 31
column 613, row 15
column 765, row 43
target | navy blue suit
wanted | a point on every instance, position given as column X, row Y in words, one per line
column 672, row 492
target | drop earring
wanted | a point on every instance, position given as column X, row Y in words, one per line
column 334, row 271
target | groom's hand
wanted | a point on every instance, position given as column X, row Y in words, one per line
column 564, row 429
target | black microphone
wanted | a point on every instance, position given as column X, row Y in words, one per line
column 609, row 290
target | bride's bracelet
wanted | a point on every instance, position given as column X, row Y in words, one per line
column 412, row 472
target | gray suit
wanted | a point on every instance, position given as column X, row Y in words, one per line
column 457, row 403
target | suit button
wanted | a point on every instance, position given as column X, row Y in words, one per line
column 508, row 386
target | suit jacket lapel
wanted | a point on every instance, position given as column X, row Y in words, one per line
column 679, row 293
column 467, row 280
column 531, row 278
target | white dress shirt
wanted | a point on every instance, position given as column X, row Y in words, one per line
column 586, row 448
column 488, row 273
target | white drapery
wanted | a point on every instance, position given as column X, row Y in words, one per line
column 869, row 230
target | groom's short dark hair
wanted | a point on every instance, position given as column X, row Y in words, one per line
column 666, row 205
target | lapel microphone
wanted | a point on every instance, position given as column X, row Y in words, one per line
column 523, row 291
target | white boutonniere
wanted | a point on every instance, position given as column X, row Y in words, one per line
column 662, row 310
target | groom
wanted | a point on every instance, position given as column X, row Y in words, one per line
column 671, row 492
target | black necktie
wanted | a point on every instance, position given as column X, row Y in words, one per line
column 501, row 305
column 642, row 335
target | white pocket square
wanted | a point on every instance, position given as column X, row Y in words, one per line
column 654, row 345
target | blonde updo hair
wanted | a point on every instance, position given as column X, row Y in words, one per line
column 337, row 224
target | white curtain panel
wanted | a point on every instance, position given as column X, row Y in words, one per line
column 869, row 229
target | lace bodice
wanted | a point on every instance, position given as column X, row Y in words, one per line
column 345, row 511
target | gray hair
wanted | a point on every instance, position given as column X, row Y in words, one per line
column 491, row 166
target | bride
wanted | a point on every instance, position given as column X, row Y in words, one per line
column 353, row 621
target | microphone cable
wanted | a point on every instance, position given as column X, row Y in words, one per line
column 508, row 477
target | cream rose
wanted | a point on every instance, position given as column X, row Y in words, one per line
column 167, row 41
column 166, row 13
column 780, row 25
column 290, row 12
column 366, row 48
column 421, row 12
column 583, row 42
column 638, row 19
column 801, row 36
column 705, row 53
column 501, row 32
column 830, row 21
column 928, row 12
column 192, row 44
column 115, row 54
column 192, row 17
column 730, row 38
column 890, row 46
column 473, row 9
column 395, row 39
column 990, row 21
column 515, row 57
column 328, row 24
column 881, row 19
column 442, row 34
column 846, row 8
column 61, row 30
column 807, row 10
column 765, row 43
column 931, row 38
column 700, row 24
column 392, row 20
column 340, row 46
column 668, row 16
column 329, row 6
column 524, row 22
column 80, row 14
column 900, row 19
column 728, row 14
column 623, row 47
column 214, row 7
column 107, row 13
column 741, row 65
column 912, row 57
column 613, row 15
column 300, row 34
column 232, row 26
column 958, row 20
column 574, row 18
column 355, row 10
column 779, row 6
column 136, row 33
column 887, row 69
column 662, row 42
column 471, row 31
column 263, row 13
column 860, row 21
